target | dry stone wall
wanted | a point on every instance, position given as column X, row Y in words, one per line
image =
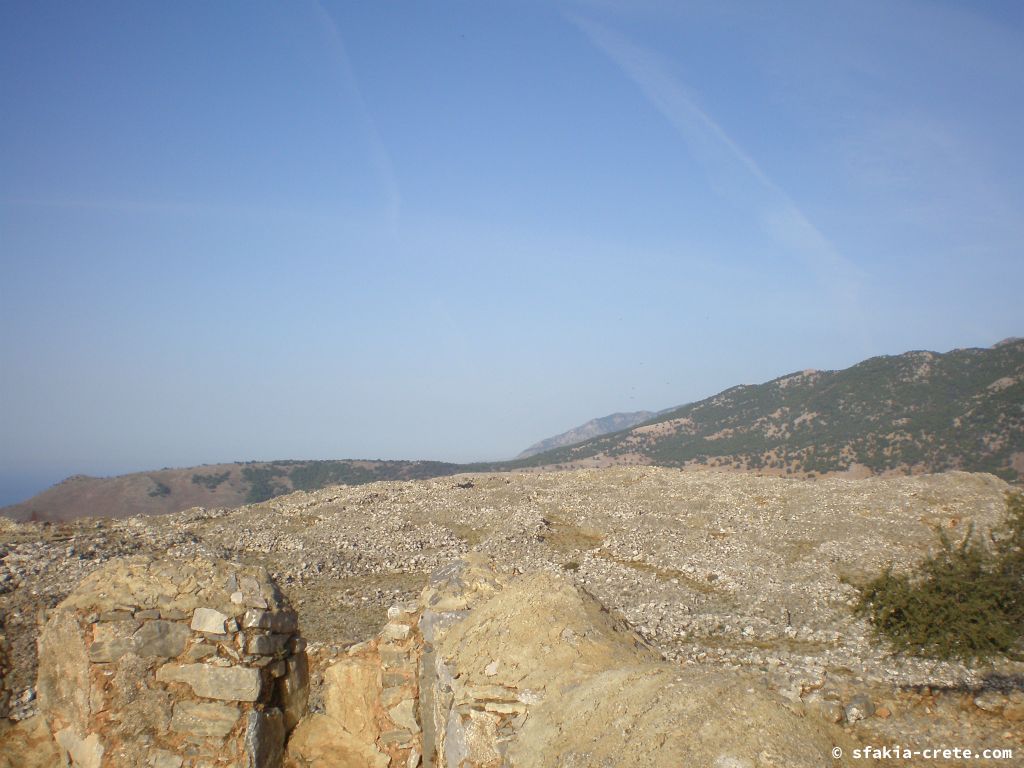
column 371, row 704
column 172, row 665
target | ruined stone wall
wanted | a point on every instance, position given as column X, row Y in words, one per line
column 488, row 671
column 172, row 665
column 158, row 664
column 371, row 704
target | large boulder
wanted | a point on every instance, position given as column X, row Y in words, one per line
column 663, row 715
column 171, row 665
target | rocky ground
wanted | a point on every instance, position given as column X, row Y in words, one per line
column 722, row 570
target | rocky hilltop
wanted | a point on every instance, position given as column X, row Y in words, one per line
column 734, row 584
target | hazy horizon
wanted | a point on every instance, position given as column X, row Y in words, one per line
column 238, row 232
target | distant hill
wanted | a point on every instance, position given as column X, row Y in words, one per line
column 911, row 413
column 213, row 485
column 593, row 428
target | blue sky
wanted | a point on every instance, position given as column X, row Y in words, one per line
column 234, row 231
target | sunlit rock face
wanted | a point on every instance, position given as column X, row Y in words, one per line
column 172, row 664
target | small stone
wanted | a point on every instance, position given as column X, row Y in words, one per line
column 106, row 651
column 116, row 616
column 253, row 618
column 285, row 622
column 208, row 620
column 505, row 707
column 237, row 598
column 200, row 651
column 829, row 711
column 860, row 707
column 152, row 613
column 392, row 657
column 205, row 719
column 883, row 712
column 397, row 737
column 399, row 610
column 492, row 669
column 990, row 701
column 395, row 632
column 172, row 614
column 404, row 716
column 393, row 679
column 266, row 645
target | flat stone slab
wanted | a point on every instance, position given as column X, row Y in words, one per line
column 267, row 645
column 284, row 621
column 224, row 683
column 166, row 639
column 106, row 651
column 204, row 719
column 208, row 620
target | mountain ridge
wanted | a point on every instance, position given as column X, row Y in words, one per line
column 917, row 412
column 602, row 425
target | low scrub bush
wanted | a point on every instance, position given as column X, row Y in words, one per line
column 965, row 601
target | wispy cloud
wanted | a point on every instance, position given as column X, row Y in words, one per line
column 732, row 172
column 379, row 155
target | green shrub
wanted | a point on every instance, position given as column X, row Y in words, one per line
column 211, row 481
column 964, row 602
column 263, row 482
column 159, row 489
